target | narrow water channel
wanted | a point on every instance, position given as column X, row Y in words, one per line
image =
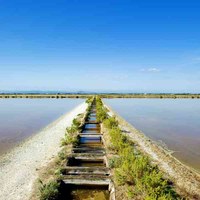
column 87, row 176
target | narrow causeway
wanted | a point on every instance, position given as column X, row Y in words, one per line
column 87, row 175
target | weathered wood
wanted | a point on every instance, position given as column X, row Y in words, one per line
column 87, row 164
column 87, row 170
column 81, row 181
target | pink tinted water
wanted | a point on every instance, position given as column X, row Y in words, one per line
column 176, row 122
column 20, row 118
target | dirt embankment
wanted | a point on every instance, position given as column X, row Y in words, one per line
column 185, row 179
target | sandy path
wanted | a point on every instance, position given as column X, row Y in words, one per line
column 18, row 169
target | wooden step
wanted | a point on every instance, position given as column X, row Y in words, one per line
column 94, row 135
column 83, row 150
column 86, row 180
column 87, row 170
column 88, row 156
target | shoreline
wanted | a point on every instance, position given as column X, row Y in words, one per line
column 184, row 177
column 19, row 167
column 102, row 95
column 27, row 139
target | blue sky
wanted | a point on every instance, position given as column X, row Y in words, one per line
column 107, row 45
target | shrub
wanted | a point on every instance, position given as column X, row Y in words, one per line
column 118, row 140
column 61, row 155
column 69, row 138
column 71, row 130
column 89, row 100
column 101, row 110
column 110, row 123
column 76, row 123
column 59, row 171
column 71, row 134
column 101, row 114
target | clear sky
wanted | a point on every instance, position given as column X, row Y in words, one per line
column 100, row 45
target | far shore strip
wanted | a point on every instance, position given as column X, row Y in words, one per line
column 18, row 169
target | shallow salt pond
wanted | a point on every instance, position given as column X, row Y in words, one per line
column 21, row 118
column 174, row 122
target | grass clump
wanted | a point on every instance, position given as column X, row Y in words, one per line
column 69, row 138
column 111, row 123
column 114, row 162
column 89, row 100
column 71, row 134
column 101, row 110
column 49, row 191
